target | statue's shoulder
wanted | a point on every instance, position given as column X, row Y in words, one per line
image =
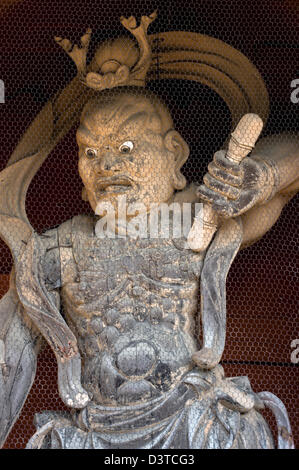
column 78, row 225
column 62, row 234
column 58, row 244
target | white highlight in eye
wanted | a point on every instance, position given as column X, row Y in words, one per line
column 126, row 147
column 90, row 152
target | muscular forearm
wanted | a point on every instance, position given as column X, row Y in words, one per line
column 258, row 220
column 280, row 154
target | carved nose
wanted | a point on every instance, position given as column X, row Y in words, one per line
column 104, row 164
column 108, row 163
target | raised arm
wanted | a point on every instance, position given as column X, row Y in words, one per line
column 256, row 190
column 281, row 153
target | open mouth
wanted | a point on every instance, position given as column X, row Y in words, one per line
column 115, row 184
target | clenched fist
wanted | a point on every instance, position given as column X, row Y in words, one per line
column 232, row 188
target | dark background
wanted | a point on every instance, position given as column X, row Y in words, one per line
column 263, row 283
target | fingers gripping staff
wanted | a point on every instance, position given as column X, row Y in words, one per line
column 242, row 141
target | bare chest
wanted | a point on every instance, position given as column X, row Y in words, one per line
column 131, row 276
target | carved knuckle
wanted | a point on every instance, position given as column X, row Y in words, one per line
column 225, row 176
column 208, row 180
column 205, row 194
column 219, row 159
column 223, row 163
column 202, row 195
column 219, row 155
column 212, row 168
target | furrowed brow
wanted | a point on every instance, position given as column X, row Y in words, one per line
column 86, row 137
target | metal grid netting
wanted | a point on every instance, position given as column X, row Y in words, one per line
column 262, row 285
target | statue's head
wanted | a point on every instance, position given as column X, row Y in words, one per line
column 127, row 146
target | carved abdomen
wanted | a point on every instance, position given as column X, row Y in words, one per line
column 132, row 304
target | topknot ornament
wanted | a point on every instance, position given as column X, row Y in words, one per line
column 116, row 62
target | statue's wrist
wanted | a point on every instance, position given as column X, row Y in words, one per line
column 271, row 181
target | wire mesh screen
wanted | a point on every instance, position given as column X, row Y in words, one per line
column 262, row 283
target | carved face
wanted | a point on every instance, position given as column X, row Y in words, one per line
column 127, row 147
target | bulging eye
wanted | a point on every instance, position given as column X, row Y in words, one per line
column 126, row 147
column 91, row 153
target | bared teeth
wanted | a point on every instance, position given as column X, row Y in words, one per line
column 112, row 185
column 102, row 185
column 116, row 187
